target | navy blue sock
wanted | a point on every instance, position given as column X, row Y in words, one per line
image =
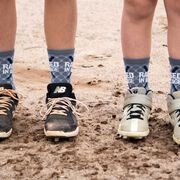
column 175, row 74
column 6, row 67
column 137, row 72
column 61, row 65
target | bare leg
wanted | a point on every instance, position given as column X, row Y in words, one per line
column 7, row 24
column 60, row 23
column 7, row 40
column 136, row 27
column 9, row 98
column 60, row 29
column 136, row 44
column 173, row 13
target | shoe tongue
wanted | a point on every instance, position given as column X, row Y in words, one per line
column 138, row 90
column 56, row 90
column 5, row 86
column 176, row 95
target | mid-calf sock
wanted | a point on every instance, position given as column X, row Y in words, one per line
column 6, row 67
column 61, row 65
column 175, row 74
column 137, row 72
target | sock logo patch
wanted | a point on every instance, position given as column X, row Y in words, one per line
column 130, row 77
column 143, row 77
column 175, row 74
column 68, row 66
column 175, row 78
column 54, row 66
column 7, row 68
column 137, row 72
column 61, row 66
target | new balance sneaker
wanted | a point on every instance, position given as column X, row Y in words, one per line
column 173, row 103
column 60, row 119
column 136, row 112
column 8, row 102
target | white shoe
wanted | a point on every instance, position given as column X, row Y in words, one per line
column 173, row 103
column 136, row 112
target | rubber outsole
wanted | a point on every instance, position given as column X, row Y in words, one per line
column 62, row 134
column 135, row 135
column 177, row 141
column 6, row 134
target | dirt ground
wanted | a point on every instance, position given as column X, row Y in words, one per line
column 99, row 81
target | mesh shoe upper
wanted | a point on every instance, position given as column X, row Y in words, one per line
column 8, row 103
column 137, row 106
column 60, row 103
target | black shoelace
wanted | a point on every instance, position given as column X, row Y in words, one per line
column 138, row 113
column 178, row 115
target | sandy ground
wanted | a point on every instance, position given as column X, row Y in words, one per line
column 99, row 81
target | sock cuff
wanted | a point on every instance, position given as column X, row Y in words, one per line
column 136, row 61
column 174, row 62
column 4, row 54
column 61, row 52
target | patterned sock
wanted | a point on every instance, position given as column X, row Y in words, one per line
column 61, row 65
column 6, row 69
column 175, row 74
column 137, row 72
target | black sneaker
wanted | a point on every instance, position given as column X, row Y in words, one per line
column 60, row 120
column 8, row 102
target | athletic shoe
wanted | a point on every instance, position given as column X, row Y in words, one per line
column 173, row 103
column 8, row 102
column 60, row 119
column 136, row 112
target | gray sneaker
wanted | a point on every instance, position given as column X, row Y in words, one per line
column 136, row 112
column 173, row 103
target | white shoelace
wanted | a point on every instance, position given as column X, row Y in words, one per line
column 61, row 105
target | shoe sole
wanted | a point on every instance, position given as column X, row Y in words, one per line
column 134, row 135
column 177, row 141
column 6, row 134
column 62, row 134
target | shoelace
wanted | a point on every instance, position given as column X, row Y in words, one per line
column 136, row 111
column 178, row 116
column 60, row 106
column 5, row 101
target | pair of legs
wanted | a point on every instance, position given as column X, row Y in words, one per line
column 60, row 30
column 136, row 27
column 60, row 24
column 136, row 43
